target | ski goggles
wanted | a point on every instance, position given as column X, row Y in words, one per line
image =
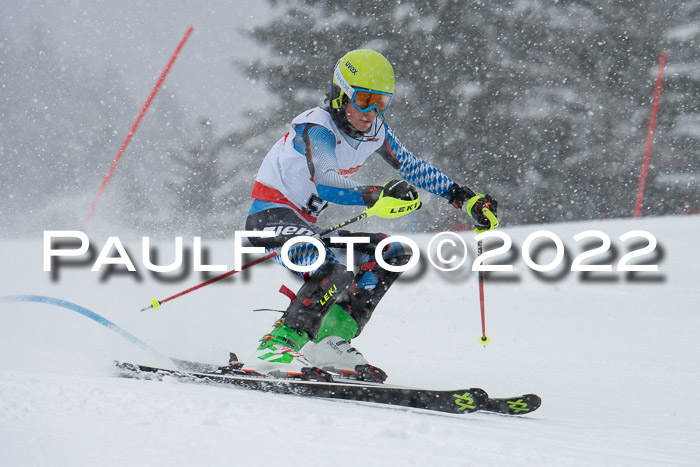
column 365, row 100
column 362, row 99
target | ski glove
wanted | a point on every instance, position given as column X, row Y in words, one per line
column 399, row 189
column 395, row 199
column 483, row 209
column 462, row 197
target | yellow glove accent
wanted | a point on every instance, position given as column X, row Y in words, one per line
column 492, row 219
column 387, row 207
column 486, row 211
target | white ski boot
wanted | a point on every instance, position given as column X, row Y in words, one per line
column 331, row 350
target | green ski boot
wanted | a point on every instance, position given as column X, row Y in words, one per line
column 278, row 355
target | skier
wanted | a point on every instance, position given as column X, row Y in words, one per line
column 308, row 168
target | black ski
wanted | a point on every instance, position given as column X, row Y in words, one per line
column 519, row 405
column 456, row 401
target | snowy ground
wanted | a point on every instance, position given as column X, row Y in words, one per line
column 615, row 360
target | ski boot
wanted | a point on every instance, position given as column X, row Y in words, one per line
column 331, row 350
column 278, row 356
column 279, row 352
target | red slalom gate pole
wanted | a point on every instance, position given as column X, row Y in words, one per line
column 136, row 124
column 650, row 136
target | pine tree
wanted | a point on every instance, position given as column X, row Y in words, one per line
column 542, row 104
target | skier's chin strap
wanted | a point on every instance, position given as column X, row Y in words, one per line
column 372, row 137
column 338, row 116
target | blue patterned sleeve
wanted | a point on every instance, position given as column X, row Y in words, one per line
column 413, row 169
column 317, row 144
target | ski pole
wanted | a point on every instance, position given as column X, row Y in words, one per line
column 484, row 339
column 365, row 213
column 155, row 304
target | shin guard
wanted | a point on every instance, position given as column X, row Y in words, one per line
column 360, row 303
column 316, row 297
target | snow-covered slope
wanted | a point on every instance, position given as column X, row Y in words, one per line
column 616, row 361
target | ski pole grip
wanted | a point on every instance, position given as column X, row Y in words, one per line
column 492, row 219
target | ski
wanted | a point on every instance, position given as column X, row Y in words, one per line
column 519, row 405
column 457, row 401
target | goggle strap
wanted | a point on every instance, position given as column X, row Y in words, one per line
column 342, row 82
column 338, row 101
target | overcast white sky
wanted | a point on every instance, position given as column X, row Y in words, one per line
column 137, row 38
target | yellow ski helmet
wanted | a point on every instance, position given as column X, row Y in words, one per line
column 366, row 77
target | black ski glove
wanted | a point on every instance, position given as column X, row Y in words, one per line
column 476, row 206
column 462, row 197
column 399, row 189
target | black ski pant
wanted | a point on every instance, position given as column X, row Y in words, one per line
column 357, row 293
